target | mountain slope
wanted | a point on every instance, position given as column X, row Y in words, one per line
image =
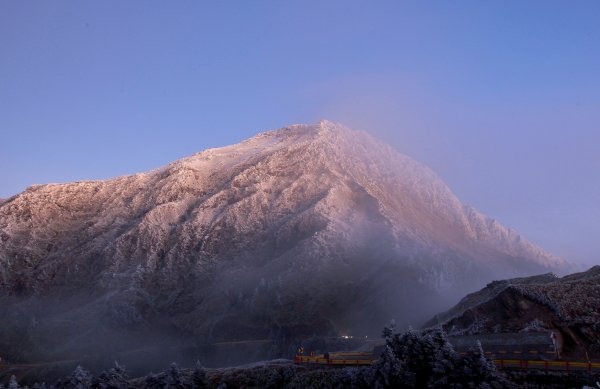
column 569, row 305
column 310, row 229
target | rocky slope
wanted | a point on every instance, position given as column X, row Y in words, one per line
column 310, row 229
column 569, row 305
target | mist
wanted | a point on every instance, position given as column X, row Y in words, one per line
column 521, row 161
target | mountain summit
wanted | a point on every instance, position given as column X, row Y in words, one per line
column 306, row 230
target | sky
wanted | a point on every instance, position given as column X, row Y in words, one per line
column 500, row 98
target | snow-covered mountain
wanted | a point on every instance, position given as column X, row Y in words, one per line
column 309, row 229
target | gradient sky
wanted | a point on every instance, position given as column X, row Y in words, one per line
column 501, row 98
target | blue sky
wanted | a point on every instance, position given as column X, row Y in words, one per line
column 501, row 98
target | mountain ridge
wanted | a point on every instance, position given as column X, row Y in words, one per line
column 309, row 229
column 183, row 170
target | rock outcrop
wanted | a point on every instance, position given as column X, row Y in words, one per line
column 569, row 306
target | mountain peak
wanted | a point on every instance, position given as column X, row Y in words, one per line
column 326, row 125
column 274, row 235
column 322, row 127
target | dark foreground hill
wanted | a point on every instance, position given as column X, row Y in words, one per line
column 570, row 306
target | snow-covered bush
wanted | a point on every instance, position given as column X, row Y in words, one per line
column 114, row 378
column 80, row 379
column 389, row 371
column 427, row 360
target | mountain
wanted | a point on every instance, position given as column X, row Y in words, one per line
column 570, row 306
column 306, row 230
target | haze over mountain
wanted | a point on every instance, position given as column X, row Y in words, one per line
column 306, row 230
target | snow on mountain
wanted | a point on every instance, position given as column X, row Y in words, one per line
column 309, row 229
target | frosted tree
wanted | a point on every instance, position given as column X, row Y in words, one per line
column 390, row 372
column 419, row 354
column 445, row 362
column 175, row 378
column 427, row 360
column 171, row 378
column 388, row 331
column 80, row 379
column 479, row 371
column 199, row 377
column 13, row 384
column 114, row 378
